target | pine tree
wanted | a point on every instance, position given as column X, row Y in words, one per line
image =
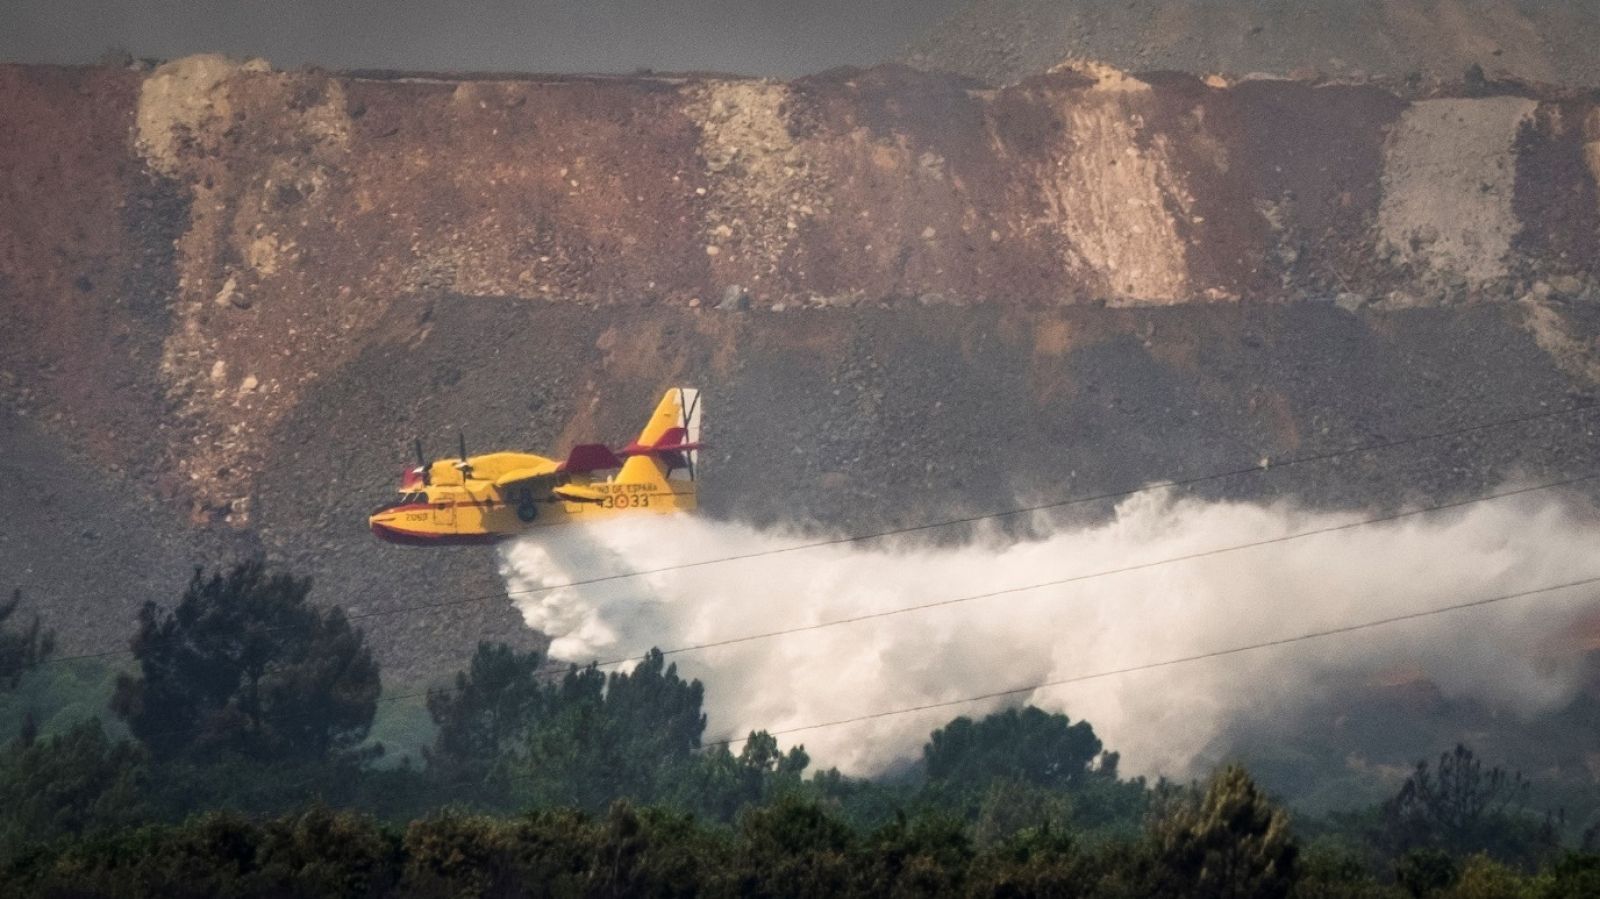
column 1229, row 843
column 245, row 666
column 485, row 714
column 21, row 650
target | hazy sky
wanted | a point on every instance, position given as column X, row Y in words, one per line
column 746, row 36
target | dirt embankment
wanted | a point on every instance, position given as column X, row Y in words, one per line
column 1418, row 42
column 238, row 293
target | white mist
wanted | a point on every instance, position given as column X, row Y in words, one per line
column 1159, row 719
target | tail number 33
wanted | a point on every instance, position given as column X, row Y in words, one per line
column 635, row 501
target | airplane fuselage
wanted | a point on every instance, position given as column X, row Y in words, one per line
column 482, row 499
column 456, row 510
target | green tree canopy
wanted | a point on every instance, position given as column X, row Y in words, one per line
column 724, row 784
column 245, row 666
column 1229, row 843
column 68, row 784
column 485, row 713
column 23, row 649
column 1459, row 806
column 508, row 734
column 794, row 847
column 1031, row 746
column 601, row 737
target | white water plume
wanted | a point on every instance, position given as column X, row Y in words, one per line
column 1159, row 719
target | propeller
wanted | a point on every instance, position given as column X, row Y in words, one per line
column 466, row 469
column 422, row 462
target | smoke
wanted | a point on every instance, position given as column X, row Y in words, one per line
column 1505, row 655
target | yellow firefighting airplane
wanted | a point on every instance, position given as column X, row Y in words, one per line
column 482, row 499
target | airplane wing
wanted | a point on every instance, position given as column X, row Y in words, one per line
column 575, row 493
column 538, row 481
column 545, row 481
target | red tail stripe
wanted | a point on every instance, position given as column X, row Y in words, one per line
column 587, row 457
column 634, row 449
column 670, row 441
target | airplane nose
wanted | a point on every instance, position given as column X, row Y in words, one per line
column 382, row 531
column 379, row 522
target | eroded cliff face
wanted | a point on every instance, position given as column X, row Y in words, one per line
column 238, row 293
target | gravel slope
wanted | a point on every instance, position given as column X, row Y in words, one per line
column 1547, row 41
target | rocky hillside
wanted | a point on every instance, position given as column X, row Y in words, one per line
column 1405, row 41
column 234, row 295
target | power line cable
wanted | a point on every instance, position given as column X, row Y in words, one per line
column 1007, row 513
column 1132, row 669
column 1077, row 578
column 1163, row 663
column 1108, row 572
column 926, row 526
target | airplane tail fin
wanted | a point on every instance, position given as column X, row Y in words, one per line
column 665, row 455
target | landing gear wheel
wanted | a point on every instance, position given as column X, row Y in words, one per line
column 527, row 510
